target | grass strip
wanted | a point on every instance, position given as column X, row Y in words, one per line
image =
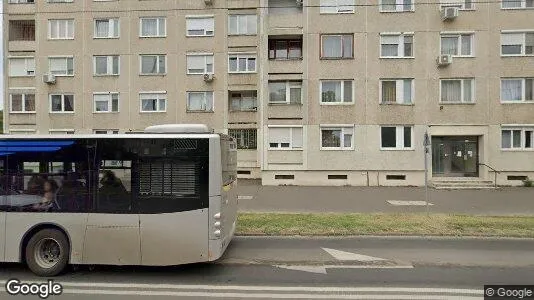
column 331, row 224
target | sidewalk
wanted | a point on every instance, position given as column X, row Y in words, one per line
column 503, row 201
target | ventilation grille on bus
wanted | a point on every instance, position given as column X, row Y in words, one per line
column 168, row 178
column 186, row 144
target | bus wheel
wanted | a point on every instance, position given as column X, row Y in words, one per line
column 47, row 252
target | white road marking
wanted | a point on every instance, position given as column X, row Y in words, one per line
column 309, row 269
column 349, row 256
column 367, row 267
column 323, row 269
column 245, row 197
column 408, row 203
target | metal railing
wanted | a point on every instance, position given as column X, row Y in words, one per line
column 495, row 172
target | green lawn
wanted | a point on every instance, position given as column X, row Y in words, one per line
column 383, row 224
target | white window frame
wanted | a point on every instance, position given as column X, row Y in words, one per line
column 60, row 1
column 523, row 44
column 342, row 41
column 66, row 57
column 345, row 129
column 523, row 5
column 399, row 7
column 459, row 36
column 523, row 90
column 66, row 22
column 291, row 143
column 400, row 44
column 523, row 129
column 242, row 92
column 203, row 17
column 111, row 26
column 342, row 92
column 107, row 131
column 462, row 82
column 246, row 56
column 20, row 2
column 158, row 73
column 22, row 131
column 110, row 102
column 158, row 34
column 289, row 86
column 338, row 8
column 399, row 93
column 205, row 55
column 458, row 3
column 23, row 92
column 205, row 93
column 109, row 66
column 240, row 18
column 29, row 67
column 62, row 111
column 160, row 96
column 399, row 137
column 61, row 131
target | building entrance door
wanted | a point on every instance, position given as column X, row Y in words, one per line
column 455, row 156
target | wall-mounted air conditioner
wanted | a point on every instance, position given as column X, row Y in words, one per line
column 444, row 60
column 208, row 77
column 449, row 13
column 299, row 2
column 208, row 2
column 49, row 78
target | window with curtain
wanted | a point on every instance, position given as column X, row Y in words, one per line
column 106, row 65
column 517, row 43
column 241, row 63
column 517, row 89
column 336, row 91
column 153, row 26
column 457, row 90
column 285, row 49
column 337, row 138
column 61, row 66
column 337, row 6
column 200, row 101
column 337, row 46
column 61, row 103
column 22, row 102
column 153, row 64
column 396, row 45
column 396, row 91
column 200, row 26
column 107, row 28
column 61, row 29
column 396, row 5
column 106, row 102
column 457, row 44
column 285, row 92
column 515, row 4
column 243, row 101
column 517, row 138
column 242, row 24
column 199, row 64
column 153, row 102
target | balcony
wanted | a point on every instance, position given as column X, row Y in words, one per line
column 21, row 35
column 285, row 17
column 242, row 106
column 19, row 7
column 285, row 54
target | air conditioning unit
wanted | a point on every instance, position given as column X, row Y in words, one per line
column 299, row 2
column 208, row 2
column 208, row 77
column 444, row 60
column 449, row 13
column 49, row 78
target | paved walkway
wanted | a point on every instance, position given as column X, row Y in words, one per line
column 504, row 201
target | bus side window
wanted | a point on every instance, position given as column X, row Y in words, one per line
column 114, row 189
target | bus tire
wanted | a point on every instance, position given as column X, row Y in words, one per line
column 47, row 252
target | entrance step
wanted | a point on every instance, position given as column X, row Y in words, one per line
column 462, row 183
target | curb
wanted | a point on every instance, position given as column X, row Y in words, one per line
column 386, row 237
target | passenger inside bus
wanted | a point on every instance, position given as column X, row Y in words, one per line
column 49, row 197
column 73, row 195
column 112, row 194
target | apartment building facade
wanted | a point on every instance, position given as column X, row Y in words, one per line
column 317, row 92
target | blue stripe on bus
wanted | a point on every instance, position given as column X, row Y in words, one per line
column 30, row 149
column 6, row 153
column 6, row 143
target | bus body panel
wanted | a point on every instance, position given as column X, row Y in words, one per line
column 112, row 239
column 2, row 235
column 174, row 238
column 21, row 223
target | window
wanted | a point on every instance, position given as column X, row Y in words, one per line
column 285, row 138
column 153, row 102
column 199, row 64
column 241, row 63
column 60, row 1
column 21, row 30
column 243, row 101
column 61, row 103
column 510, row 4
column 517, row 43
column 246, row 138
column 106, row 102
column 517, row 89
column 106, row 65
column 61, row 29
column 457, row 44
column 337, row 137
column 396, row 5
column 153, row 27
column 21, row 1
column 22, row 102
column 396, row 137
column 285, row 49
column 336, row 46
column 457, row 91
column 21, row 66
column 517, row 138
column 153, row 64
column 200, row 101
column 396, row 45
column 396, row 91
column 336, row 91
column 60, row 131
column 337, row 6
column 242, row 24
column 461, row 4
column 107, row 131
column 106, row 28
column 200, row 26
column 285, row 92
column 61, row 66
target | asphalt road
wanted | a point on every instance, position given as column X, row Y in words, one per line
column 504, row 201
column 316, row 268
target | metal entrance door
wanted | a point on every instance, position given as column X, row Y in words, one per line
column 455, row 156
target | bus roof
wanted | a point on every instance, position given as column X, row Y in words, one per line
column 111, row 136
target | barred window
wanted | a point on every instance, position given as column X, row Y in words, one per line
column 246, row 138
